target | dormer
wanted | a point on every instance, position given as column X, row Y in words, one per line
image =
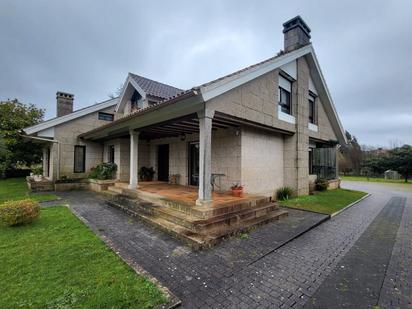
column 140, row 92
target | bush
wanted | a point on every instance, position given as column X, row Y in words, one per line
column 103, row 171
column 19, row 212
column 284, row 193
column 321, row 184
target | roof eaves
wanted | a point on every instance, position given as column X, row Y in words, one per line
column 76, row 114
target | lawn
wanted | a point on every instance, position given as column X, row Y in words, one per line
column 327, row 202
column 373, row 179
column 57, row 262
column 16, row 189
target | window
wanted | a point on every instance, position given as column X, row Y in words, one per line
column 79, row 159
column 106, row 116
column 135, row 101
column 312, row 109
column 111, row 154
column 284, row 97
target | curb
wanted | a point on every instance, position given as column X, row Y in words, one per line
column 350, row 205
column 327, row 217
column 173, row 300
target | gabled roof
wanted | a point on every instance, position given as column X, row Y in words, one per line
column 76, row 114
column 146, row 88
column 223, row 84
column 154, row 88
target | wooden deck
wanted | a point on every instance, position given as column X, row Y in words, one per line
column 187, row 194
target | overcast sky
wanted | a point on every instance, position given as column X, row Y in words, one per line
column 88, row 47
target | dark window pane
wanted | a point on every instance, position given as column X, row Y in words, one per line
column 312, row 109
column 79, row 159
column 111, row 154
column 285, row 101
column 106, row 116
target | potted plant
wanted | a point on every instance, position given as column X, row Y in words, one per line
column 146, row 173
column 37, row 173
column 237, row 190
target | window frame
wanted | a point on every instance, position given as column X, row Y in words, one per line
column 287, row 105
column 111, row 154
column 111, row 116
column 84, row 159
column 312, row 109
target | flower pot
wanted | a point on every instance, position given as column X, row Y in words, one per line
column 237, row 192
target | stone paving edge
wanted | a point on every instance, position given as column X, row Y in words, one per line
column 350, row 205
column 173, row 300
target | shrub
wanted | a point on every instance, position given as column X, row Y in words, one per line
column 103, row 171
column 284, row 193
column 146, row 173
column 321, row 184
column 19, row 212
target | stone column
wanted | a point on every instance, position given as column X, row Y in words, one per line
column 205, row 157
column 134, row 149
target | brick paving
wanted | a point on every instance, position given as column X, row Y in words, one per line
column 243, row 272
column 396, row 290
column 357, row 280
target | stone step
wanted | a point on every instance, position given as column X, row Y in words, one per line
column 226, row 220
column 192, row 239
column 115, row 189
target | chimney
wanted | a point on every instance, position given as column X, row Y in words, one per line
column 296, row 33
column 64, row 103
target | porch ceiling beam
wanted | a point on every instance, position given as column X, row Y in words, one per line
column 160, row 130
column 182, row 127
column 167, row 122
column 225, row 122
column 182, row 130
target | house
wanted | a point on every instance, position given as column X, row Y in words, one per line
column 269, row 125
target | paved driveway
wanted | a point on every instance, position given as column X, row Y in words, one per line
column 253, row 272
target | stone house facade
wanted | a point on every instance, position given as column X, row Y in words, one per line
column 263, row 127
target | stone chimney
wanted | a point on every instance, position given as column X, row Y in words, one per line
column 296, row 33
column 64, row 103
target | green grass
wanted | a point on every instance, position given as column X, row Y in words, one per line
column 57, row 262
column 16, row 189
column 327, row 202
column 373, row 179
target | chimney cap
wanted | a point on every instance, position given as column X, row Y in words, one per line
column 61, row 94
column 295, row 22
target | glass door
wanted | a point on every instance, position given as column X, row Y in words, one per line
column 194, row 163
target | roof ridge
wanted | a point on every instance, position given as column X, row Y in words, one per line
column 152, row 80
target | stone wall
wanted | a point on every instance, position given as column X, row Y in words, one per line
column 255, row 101
column 262, row 158
column 225, row 156
column 67, row 136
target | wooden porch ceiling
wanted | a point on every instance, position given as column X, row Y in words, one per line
column 180, row 126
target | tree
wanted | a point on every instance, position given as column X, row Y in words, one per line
column 14, row 151
column 352, row 155
column 401, row 160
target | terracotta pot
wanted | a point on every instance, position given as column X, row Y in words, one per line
column 237, row 192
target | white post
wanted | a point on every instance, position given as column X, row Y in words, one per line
column 205, row 157
column 134, row 151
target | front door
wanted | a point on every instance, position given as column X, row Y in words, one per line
column 194, row 163
column 163, row 162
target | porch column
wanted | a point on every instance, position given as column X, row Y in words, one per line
column 205, row 157
column 134, row 151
